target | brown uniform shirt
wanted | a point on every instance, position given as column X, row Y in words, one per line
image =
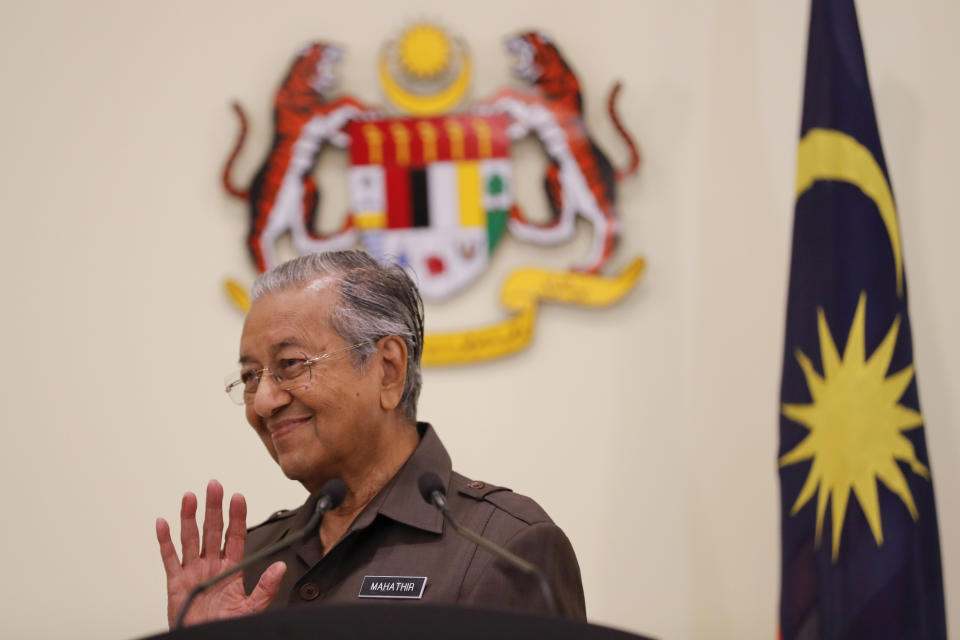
column 398, row 534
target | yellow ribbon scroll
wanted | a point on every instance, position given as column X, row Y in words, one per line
column 237, row 294
column 521, row 293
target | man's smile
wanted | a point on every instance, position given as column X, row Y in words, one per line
column 285, row 426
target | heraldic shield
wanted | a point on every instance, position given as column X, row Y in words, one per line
column 432, row 194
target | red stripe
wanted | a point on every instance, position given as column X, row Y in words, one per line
column 398, row 198
column 358, row 146
column 471, row 141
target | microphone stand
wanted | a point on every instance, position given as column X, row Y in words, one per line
column 528, row 568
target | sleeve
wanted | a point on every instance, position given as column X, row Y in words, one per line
column 502, row 586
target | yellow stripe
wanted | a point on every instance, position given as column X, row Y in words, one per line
column 370, row 220
column 428, row 137
column 401, row 143
column 484, row 137
column 471, row 204
column 456, row 136
column 825, row 154
column 374, row 139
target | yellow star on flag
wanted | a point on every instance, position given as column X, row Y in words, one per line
column 856, row 427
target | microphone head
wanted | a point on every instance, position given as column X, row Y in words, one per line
column 336, row 490
column 428, row 483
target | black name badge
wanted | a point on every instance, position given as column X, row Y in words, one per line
column 392, row 587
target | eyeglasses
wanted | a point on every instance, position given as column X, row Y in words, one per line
column 290, row 374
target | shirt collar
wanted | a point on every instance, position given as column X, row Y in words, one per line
column 401, row 497
column 399, row 500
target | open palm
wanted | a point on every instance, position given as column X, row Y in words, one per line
column 226, row 599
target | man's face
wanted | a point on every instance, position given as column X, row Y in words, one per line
column 327, row 428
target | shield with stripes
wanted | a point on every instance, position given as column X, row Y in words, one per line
column 431, row 194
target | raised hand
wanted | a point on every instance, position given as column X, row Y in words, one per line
column 202, row 561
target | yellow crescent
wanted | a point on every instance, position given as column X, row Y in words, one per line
column 426, row 105
column 826, row 154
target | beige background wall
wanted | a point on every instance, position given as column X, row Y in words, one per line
column 114, row 122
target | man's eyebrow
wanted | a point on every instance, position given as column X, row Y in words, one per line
column 274, row 348
column 283, row 344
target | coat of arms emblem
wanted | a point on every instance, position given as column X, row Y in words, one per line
column 431, row 187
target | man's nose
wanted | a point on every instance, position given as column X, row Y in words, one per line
column 269, row 396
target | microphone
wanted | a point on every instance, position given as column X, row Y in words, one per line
column 432, row 490
column 331, row 495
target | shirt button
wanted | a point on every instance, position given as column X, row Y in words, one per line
column 476, row 484
column 309, row 591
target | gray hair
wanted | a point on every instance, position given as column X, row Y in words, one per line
column 376, row 300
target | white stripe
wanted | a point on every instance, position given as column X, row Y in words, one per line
column 497, row 167
column 442, row 195
column 367, row 188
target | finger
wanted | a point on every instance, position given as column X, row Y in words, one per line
column 213, row 520
column 189, row 535
column 268, row 585
column 168, row 553
column 236, row 530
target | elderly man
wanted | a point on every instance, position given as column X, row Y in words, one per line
column 329, row 378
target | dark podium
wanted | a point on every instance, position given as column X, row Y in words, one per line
column 396, row 621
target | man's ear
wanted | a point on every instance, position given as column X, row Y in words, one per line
column 393, row 371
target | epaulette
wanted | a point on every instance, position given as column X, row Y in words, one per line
column 479, row 490
column 518, row 506
column 276, row 516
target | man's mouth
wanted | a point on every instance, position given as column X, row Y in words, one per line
column 283, row 427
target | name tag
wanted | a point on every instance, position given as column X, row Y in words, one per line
column 392, row 587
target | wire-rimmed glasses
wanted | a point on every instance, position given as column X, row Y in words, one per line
column 290, row 374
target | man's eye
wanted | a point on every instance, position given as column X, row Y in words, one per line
column 288, row 365
column 247, row 377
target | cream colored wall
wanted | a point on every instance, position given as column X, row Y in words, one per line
column 647, row 430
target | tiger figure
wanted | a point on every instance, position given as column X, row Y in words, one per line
column 579, row 178
column 283, row 195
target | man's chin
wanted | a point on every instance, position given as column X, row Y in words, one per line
column 304, row 474
column 292, row 467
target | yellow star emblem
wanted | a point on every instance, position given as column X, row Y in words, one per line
column 856, row 427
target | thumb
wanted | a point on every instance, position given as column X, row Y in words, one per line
column 268, row 585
